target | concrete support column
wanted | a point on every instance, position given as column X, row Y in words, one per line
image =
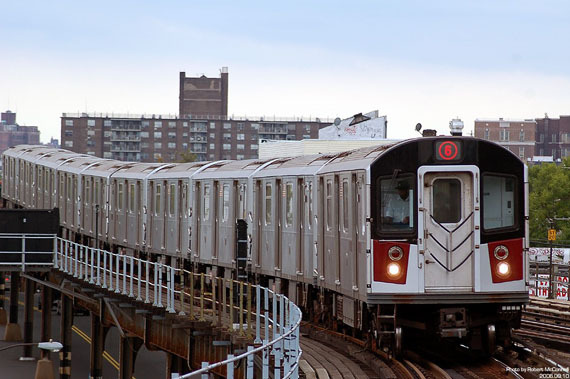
column 13, row 333
column 126, row 357
column 3, row 318
column 97, row 347
column 65, row 330
column 29, row 290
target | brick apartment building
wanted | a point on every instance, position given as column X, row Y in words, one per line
column 203, row 96
column 553, row 137
column 519, row 136
column 201, row 129
column 164, row 138
column 12, row 134
column 527, row 138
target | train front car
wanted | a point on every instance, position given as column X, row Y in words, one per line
column 448, row 241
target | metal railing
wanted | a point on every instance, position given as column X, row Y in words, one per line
column 271, row 324
column 26, row 250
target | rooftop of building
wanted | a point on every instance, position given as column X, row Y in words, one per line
column 150, row 116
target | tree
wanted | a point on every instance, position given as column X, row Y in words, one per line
column 187, row 156
column 549, row 198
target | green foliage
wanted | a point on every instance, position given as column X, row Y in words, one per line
column 549, row 197
column 187, row 156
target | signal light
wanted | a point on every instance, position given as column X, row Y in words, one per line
column 395, row 253
column 501, row 252
column 394, row 269
column 503, row 269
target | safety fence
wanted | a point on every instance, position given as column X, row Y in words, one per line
column 270, row 321
column 19, row 251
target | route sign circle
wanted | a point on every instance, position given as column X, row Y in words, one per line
column 448, row 150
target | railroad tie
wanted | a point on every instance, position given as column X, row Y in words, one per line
column 307, row 369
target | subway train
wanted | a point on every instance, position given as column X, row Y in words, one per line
column 422, row 236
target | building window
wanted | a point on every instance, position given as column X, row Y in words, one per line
column 255, row 126
column 69, row 133
column 253, row 147
column 240, row 126
column 107, row 123
column 541, row 138
column 68, row 122
column 521, row 136
column 184, row 146
column 227, row 146
column 108, row 133
column 172, row 135
column 212, row 146
column 91, row 123
column 145, row 124
column 91, row 132
column 158, row 145
column 68, row 143
column 240, row 146
column 157, row 134
column 521, row 152
column 503, row 135
column 185, row 124
column 486, row 134
column 212, row 125
column 172, row 124
column 107, row 154
column 157, row 156
column 227, row 125
column 172, row 145
column 541, row 152
column 185, row 134
column 158, row 124
column 239, row 157
column 553, row 137
column 144, row 134
column 240, row 137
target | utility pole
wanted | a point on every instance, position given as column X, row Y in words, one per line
column 551, row 237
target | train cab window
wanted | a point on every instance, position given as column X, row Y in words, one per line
column 446, row 201
column 499, row 201
column 345, row 209
column 268, row 190
column 289, row 204
column 310, row 205
column 396, row 203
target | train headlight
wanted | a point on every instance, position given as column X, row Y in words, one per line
column 501, row 252
column 503, row 269
column 394, row 269
column 395, row 253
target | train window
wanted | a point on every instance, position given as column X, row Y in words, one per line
column 396, row 203
column 172, row 199
column 206, row 202
column 132, row 198
column 120, row 197
column 226, row 195
column 310, row 205
column 499, row 201
column 157, row 200
column 289, row 204
column 344, row 196
column 446, row 202
column 87, row 194
column 268, row 190
column 97, row 191
column 69, row 188
column 329, row 203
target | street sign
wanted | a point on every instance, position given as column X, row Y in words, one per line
column 552, row 234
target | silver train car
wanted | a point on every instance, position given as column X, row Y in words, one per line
column 427, row 234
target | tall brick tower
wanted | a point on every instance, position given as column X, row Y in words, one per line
column 203, row 96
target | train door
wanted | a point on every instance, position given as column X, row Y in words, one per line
column 300, row 226
column 278, row 221
column 216, row 219
column 196, row 215
column 449, row 221
column 346, row 235
column 258, row 214
column 182, row 223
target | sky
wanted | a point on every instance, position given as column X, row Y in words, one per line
column 414, row 61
